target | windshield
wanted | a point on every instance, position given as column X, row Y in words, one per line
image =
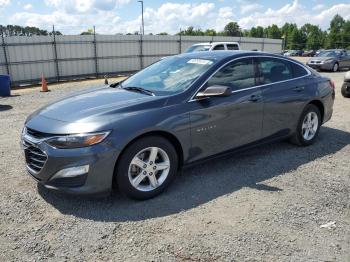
column 329, row 53
column 198, row 48
column 169, row 76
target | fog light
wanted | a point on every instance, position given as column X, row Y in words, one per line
column 72, row 171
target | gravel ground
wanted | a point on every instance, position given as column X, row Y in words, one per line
column 266, row 204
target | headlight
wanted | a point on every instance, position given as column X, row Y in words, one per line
column 78, row 140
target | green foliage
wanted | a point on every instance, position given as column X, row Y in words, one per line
column 310, row 37
column 273, row 32
column 232, row 29
column 335, row 32
column 16, row 30
column 314, row 36
column 256, row 32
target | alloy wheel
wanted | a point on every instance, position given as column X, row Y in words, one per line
column 310, row 126
column 149, row 169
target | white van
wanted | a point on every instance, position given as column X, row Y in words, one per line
column 213, row 46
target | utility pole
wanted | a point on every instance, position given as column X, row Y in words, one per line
column 55, row 53
column 143, row 24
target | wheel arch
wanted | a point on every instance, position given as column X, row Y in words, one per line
column 320, row 107
column 167, row 135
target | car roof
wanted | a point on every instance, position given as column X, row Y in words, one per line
column 229, row 54
column 212, row 43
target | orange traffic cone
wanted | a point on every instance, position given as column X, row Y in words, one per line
column 43, row 84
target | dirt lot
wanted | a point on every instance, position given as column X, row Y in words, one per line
column 266, row 204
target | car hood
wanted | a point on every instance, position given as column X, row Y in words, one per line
column 98, row 105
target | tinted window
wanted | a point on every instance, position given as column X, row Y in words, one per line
column 274, row 70
column 232, row 47
column 237, row 75
column 198, row 48
column 219, row 47
column 298, row 70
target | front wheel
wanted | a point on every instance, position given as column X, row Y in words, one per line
column 146, row 167
column 308, row 126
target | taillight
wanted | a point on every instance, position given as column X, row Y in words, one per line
column 332, row 84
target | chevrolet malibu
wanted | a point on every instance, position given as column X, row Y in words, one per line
column 136, row 134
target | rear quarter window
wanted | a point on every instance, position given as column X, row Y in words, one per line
column 298, row 71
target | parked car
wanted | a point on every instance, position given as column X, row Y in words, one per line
column 309, row 53
column 331, row 60
column 288, row 52
column 213, row 46
column 319, row 51
column 293, row 53
column 345, row 90
column 183, row 109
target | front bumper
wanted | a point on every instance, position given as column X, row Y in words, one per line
column 100, row 159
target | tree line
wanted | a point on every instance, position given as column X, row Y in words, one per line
column 308, row 36
column 16, row 30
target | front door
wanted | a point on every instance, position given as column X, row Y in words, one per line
column 222, row 123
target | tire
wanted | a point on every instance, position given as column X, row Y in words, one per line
column 148, row 180
column 300, row 137
column 345, row 90
column 335, row 67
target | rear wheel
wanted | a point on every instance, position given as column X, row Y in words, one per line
column 345, row 90
column 146, row 167
column 308, row 126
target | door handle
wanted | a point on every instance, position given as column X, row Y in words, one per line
column 255, row 98
column 299, row 89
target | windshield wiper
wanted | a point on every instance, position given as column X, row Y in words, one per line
column 138, row 89
column 116, row 84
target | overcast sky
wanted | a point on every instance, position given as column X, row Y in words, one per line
column 122, row 16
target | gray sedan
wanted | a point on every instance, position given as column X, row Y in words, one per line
column 136, row 135
column 330, row 60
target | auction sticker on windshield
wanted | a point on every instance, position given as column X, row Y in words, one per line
column 200, row 62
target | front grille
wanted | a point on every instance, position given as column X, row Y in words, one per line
column 37, row 134
column 35, row 157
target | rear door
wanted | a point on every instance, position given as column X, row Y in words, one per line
column 222, row 123
column 284, row 94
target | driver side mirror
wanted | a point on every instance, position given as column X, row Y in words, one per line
column 215, row 90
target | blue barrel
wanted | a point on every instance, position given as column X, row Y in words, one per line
column 5, row 89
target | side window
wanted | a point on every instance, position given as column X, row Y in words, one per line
column 299, row 71
column 219, row 47
column 274, row 70
column 232, row 47
column 237, row 75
